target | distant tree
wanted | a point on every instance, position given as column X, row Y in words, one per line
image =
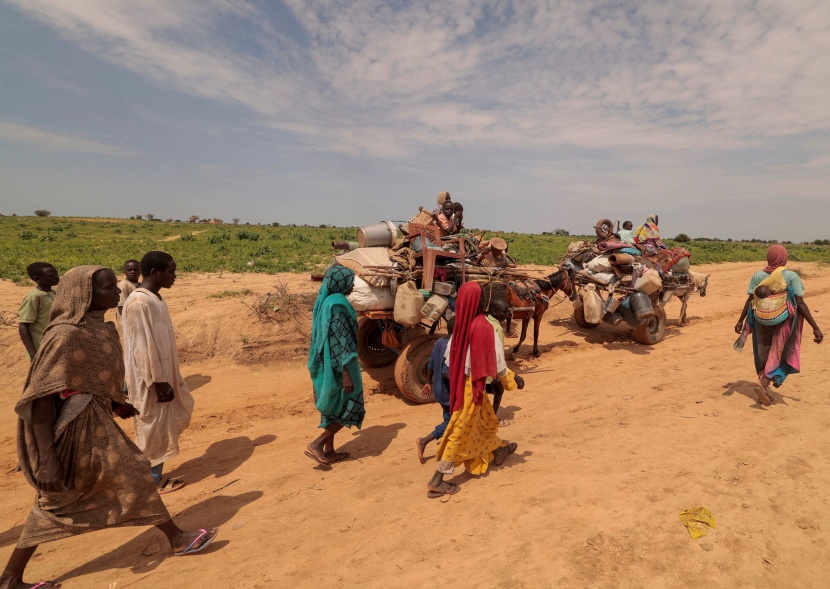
column 139, row 217
column 682, row 238
column 561, row 232
column 235, row 220
column 151, row 216
column 168, row 220
column 193, row 218
column 275, row 224
column 218, row 221
column 42, row 213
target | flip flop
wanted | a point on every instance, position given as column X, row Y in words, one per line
column 315, row 459
column 503, row 423
column 434, row 493
column 763, row 398
column 212, row 533
column 511, row 447
column 170, row 485
column 41, row 584
column 337, row 457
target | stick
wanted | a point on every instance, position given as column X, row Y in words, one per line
column 227, row 485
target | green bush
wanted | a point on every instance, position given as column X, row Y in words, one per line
column 245, row 234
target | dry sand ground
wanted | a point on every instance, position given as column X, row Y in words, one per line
column 615, row 440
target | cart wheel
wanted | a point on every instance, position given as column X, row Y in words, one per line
column 579, row 317
column 370, row 348
column 411, row 368
column 653, row 330
column 604, row 228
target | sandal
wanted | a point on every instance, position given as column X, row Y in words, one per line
column 315, row 458
column 211, row 534
column 170, row 485
column 449, row 489
column 333, row 456
column 511, row 447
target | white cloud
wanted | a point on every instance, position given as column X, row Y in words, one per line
column 365, row 78
column 46, row 140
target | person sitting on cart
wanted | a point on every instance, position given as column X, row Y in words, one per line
column 443, row 197
column 626, row 234
column 451, row 219
column 648, row 234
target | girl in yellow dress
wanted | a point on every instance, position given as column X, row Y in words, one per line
column 473, row 354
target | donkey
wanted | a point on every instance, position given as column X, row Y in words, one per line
column 699, row 284
column 531, row 298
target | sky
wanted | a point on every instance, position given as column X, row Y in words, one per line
column 536, row 115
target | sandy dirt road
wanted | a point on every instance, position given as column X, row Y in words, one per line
column 615, row 440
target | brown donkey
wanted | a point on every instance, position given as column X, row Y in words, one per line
column 531, row 298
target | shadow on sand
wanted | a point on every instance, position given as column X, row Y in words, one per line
column 219, row 459
column 195, row 381
column 748, row 389
column 212, row 513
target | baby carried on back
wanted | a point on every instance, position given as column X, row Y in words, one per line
column 770, row 302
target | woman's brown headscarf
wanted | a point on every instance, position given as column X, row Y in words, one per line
column 79, row 351
column 776, row 257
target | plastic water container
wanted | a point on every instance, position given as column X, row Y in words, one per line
column 443, row 288
column 434, row 308
column 641, row 305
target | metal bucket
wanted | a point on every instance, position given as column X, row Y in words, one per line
column 381, row 234
column 641, row 305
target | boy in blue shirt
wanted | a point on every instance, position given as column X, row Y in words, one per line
column 438, row 384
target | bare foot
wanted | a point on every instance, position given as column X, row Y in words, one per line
column 420, row 444
column 762, row 390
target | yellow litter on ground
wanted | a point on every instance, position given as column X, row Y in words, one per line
column 696, row 520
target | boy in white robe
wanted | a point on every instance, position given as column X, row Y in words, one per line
column 156, row 387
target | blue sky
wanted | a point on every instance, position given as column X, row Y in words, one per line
column 535, row 115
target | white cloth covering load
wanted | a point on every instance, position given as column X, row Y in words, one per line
column 365, row 297
column 150, row 356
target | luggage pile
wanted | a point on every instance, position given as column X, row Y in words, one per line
column 615, row 281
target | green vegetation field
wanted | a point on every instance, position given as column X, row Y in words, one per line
column 201, row 247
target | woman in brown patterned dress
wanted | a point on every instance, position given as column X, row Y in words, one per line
column 87, row 473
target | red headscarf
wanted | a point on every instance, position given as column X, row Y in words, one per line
column 474, row 331
column 776, row 257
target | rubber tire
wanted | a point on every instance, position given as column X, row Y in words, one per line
column 579, row 317
column 411, row 366
column 654, row 329
column 370, row 349
column 604, row 228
